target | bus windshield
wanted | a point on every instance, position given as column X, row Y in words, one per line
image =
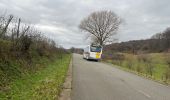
column 95, row 49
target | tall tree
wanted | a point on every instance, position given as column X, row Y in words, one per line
column 101, row 26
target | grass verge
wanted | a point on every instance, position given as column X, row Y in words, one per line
column 153, row 67
column 45, row 84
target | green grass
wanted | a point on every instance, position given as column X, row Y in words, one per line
column 158, row 63
column 45, row 84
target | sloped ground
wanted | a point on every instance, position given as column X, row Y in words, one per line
column 45, row 84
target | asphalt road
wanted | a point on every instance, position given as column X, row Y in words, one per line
column 99, row 81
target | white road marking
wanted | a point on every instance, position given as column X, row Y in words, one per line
column 147, row 95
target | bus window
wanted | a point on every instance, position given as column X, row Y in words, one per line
column 95, row 49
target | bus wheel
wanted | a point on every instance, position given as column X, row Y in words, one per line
column 97, row 60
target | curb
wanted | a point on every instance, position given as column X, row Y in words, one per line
column 67, row 86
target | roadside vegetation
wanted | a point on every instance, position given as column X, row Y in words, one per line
column 153, row 65
column 149, row 58
column 32, row 66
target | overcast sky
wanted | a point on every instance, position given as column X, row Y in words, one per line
column 59, row 19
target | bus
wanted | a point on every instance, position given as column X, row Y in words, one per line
column 92, row 52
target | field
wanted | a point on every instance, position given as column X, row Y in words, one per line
column 45, row 84
column 153, row 65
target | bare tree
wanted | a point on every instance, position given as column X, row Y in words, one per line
column 19, row 21
column 101, row 26
column 8, row 21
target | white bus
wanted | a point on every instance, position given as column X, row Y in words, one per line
column 93, row 52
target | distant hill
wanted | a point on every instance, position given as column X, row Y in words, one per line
column 159, row 42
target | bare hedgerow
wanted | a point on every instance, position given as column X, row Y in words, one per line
column 25, row 39
column 22, row 49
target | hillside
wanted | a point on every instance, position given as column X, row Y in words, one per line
column 159, row 42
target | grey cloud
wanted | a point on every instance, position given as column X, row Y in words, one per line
column 142, row 18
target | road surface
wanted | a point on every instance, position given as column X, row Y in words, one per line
column 99, row 81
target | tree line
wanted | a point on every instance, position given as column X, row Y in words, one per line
column 159, row 42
